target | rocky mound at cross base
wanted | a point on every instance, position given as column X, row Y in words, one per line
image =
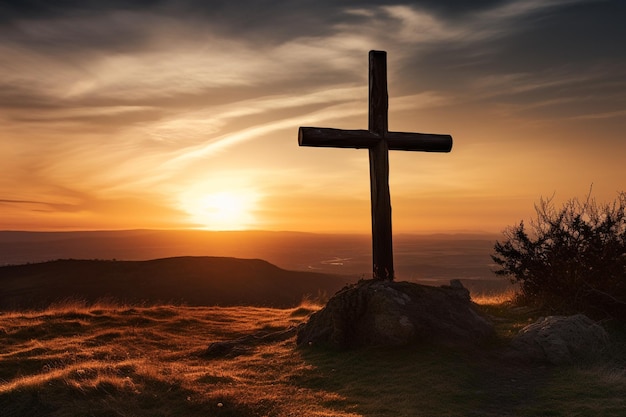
column 389, row 313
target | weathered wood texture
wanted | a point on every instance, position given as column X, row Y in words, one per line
column 378, row 140
column 382, row 245
column 323, row 137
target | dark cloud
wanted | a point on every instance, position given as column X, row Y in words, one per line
column 574, row 49
column 35, row 9
column 559, row 39
column 453, row 8
column 63, row 38
column 269, row 19
column 5, row 201
column 576, row 33
column 258, row 11
column 580, row 33
column 19, row 97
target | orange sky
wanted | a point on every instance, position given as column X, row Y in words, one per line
column 181, row 114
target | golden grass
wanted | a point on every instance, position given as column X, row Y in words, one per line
column 80, row 351
column 493, row 298
column 106, row 359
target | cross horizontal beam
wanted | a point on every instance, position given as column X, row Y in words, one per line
column 364, row 139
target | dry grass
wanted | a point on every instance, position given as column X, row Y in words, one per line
column 494, row 298
column 66, row 360
column 111, row 360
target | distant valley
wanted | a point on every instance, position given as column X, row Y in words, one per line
column 428, row 259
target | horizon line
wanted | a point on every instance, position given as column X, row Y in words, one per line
column 412, row 233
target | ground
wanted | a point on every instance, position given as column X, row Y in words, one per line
column 108, row 360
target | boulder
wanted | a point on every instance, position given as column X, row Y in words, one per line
column 389, row 313
column 560, row 340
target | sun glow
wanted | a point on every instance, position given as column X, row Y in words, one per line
column 227, row 210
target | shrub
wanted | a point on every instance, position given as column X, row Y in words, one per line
column 571, row 259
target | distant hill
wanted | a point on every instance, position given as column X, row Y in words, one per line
column 194, row 281
column 429, row 259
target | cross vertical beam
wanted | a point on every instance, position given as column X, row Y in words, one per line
column 382, row 244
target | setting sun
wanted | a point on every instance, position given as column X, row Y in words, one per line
column 222, row 210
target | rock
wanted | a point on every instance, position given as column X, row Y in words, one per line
column 389, row 313
column 560, row 340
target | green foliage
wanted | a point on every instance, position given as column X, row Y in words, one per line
column 571, row 259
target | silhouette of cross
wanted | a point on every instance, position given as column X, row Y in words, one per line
column 378, row 140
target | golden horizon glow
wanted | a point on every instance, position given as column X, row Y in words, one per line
column 224, row 210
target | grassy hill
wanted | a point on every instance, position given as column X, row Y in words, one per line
column 108, row 360
column 194, row 281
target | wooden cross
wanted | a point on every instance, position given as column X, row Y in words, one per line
column 378, row 140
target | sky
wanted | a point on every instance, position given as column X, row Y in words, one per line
column 185, row 113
